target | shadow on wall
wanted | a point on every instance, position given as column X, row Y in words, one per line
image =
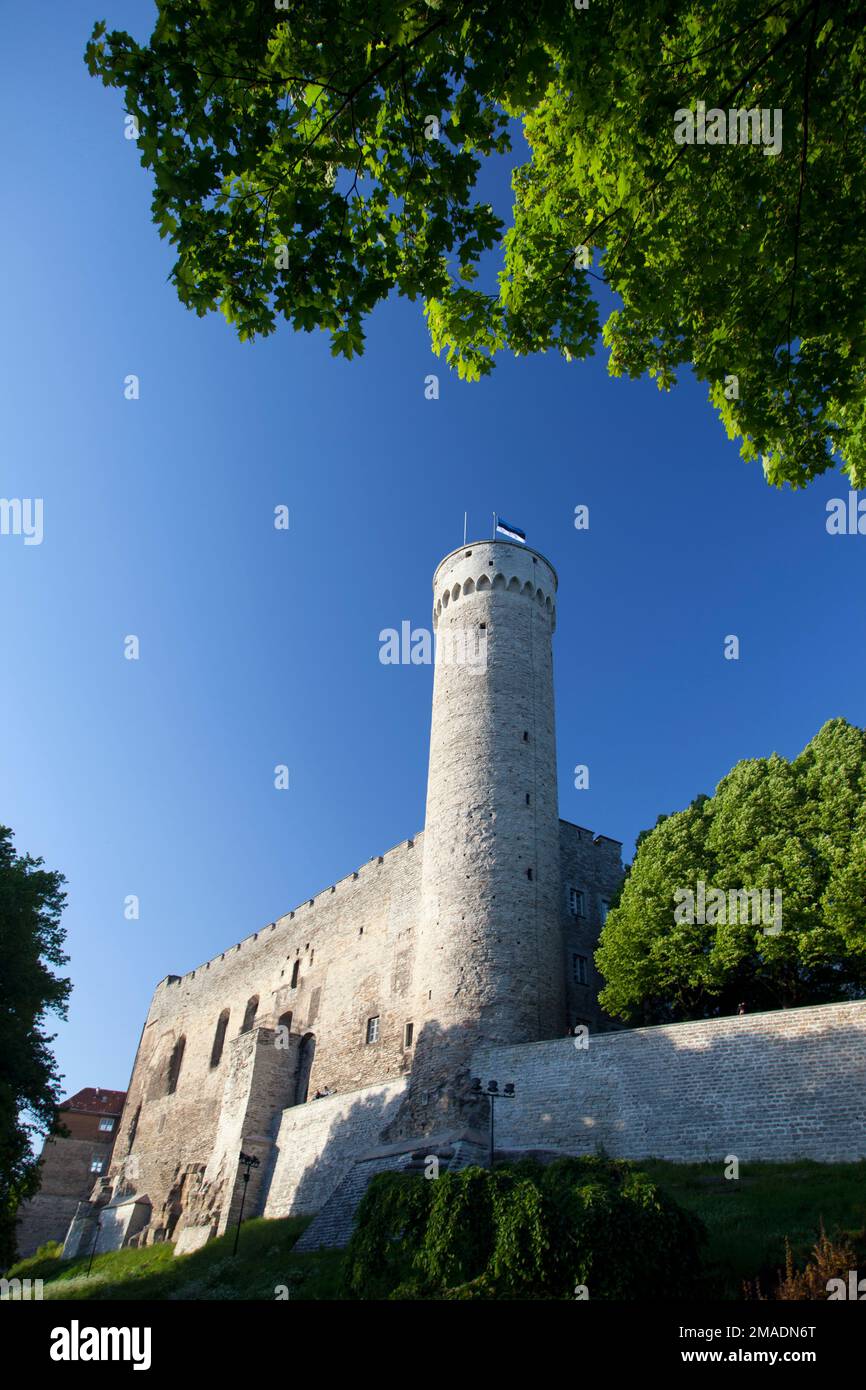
column 774, row 1086
column 318, row 1142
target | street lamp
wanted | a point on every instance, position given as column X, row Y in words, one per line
column 493, row 1094
column 248, row 1162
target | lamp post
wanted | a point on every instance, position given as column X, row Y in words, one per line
column 493, row 1094
column 248, row 1162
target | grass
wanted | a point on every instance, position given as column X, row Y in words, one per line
column 264, row 1263
column 747, row 1219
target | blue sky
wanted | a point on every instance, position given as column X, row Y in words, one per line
column 261, row 647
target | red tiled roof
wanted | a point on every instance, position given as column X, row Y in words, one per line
column 94, row 1101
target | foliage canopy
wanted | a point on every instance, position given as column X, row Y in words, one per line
column 799, row 828
column 311, row 159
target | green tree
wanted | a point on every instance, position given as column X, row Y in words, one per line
column 31, row 942
column 798, row 828
column 311, row 159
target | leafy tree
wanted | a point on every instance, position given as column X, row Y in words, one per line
column 310, row 159
column 799, row 828
column 31, row 941
column 523, row 1231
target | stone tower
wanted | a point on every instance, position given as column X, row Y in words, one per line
column 490, row 949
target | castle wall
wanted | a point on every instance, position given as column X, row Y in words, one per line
column 591, row 864
column 771, row 1086
column 354, row 947
column 318, row 1143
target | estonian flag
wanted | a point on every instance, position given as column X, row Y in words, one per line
column 513, row 531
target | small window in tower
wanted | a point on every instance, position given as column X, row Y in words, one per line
column 579, row 965
column 527, row 798
column 360, row 931
column 529, row 873
column 373, row 1029
column 408, row 1034
column 525, row 736
column 576, row 904
column 483, row 627
column 106, row 1124
column 295, row 968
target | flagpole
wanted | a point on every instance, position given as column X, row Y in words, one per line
column 465, row 514
column 494, row 526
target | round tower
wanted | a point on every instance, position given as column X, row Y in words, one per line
column 489, row 962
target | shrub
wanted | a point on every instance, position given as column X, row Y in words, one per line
column 523, row 1231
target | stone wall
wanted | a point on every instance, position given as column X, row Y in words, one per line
column 769, row 1086
column 318, row 1143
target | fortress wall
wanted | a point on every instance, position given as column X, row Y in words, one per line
column 769, row 1086
column 355, row 946
column 592, row 864
column 318, row 1143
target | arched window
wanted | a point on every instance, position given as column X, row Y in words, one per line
column 285, row 1021
column 250, row 1013
column 219, row 1038
column 175, row 1062
column 295, row 968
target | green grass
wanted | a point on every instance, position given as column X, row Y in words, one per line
column 264, row 1262
column 747, row 1220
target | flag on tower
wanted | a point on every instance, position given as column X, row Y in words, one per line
column 513, row 531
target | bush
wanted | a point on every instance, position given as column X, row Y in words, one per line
column 831, row 1258
column 523, row 1231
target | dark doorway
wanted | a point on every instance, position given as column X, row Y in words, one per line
column 305, row 1066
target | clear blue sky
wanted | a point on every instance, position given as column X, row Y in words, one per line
column 261, row 647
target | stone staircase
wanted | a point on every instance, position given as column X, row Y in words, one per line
column 331, row 1228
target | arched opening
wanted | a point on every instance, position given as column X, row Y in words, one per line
column 469, row 586
column 250, row 1013
column 219, row 1038
column 499, row 581
column 175, row 1062
column 285, row 1021
column 514, row 585
column 295, row 968
column 483, row 582
column 305, row 1067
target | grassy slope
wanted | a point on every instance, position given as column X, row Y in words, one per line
column 748, row 1220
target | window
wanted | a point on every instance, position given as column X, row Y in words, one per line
column 295, row 968
column 219, row 1038
column 106, row 1124
column 408, row 1034
column 525, row 736
column 603, row 909
column 576, row 904
column 285, row 1021
column 175, row 1062
column 580, row 967
column 97, row 1165
column 250, row 1013
column 529, row 873
column 373, row 1029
